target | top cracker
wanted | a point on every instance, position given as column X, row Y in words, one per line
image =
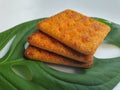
column 75, row 30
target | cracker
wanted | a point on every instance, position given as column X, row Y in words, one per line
column 75, row 30
column 42, row 55
column 43, row 41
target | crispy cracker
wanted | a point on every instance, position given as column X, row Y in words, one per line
column 43, row 41
column 76, row 30
column 42, row 55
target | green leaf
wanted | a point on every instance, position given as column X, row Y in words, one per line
column 19, row 73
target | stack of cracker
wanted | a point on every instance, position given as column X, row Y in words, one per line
column 67, row 38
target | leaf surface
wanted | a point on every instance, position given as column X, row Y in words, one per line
column 19, row 73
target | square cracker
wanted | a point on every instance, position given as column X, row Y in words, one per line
column 75, row 30
column 42, row 55
column 44, row 41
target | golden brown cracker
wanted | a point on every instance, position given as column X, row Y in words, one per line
column 75, row 30
column 42, row 55
column 43, row 41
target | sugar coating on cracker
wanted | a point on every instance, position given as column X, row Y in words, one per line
column 75, row 30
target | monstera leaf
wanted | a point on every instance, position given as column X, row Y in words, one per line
column 19, row 73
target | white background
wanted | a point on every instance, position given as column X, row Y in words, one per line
column 13, row 12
